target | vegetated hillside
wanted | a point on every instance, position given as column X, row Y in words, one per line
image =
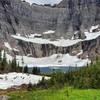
column 87, row 79
column 83, row 78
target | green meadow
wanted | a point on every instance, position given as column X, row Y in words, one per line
column 58, row 94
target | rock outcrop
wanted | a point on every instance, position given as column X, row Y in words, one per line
column 90, row 49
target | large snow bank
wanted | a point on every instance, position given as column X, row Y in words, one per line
column 59, row 42
column 17, row 79
column 51, row 61
column 54, row 60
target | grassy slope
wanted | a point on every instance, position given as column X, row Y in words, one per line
column 63, row 94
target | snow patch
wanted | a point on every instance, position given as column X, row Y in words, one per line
column 93, row 28
column 91, row 36
column 15, row 49
column 7, row 45
column 80, row 53
column 17, row 79
column 49, row 32
column 34, row 35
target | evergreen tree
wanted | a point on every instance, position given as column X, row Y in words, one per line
column 38, row 71
column 14, row 65
column 35, row 70
column 19, row 69
column 97, row 59
column 22, row 64
column 0, row 56
column 30, row 86
column 25, row 69
column 3, row 62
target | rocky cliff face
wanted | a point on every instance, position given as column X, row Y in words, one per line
column 68, row 17
column 72, row 15
column 20, row 17
column 90, row 49
column 82, row 13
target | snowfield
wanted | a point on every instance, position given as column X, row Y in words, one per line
column 59, row 42
column 57, row 60
column 17, row 79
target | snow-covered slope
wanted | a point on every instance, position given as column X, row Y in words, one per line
column 56, row 60
column 51, row 61
column 17, row 79
column 59, row 42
